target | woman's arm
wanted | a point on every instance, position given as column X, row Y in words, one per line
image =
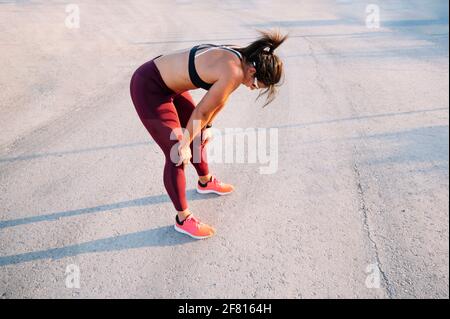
column 213, row 116
column 213, row 101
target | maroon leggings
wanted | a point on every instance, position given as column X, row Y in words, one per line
column 161, row 110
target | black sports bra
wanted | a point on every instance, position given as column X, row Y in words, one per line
column 195, row 78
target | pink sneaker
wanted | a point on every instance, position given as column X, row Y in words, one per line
column 214, row 186
column 193, row 227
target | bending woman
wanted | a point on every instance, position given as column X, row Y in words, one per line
column 160, row 93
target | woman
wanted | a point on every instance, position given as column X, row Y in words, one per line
column 160, row 93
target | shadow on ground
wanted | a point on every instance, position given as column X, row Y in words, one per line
column 144, row 201
column 161, row 236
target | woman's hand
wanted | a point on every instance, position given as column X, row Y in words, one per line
column 185, row 154
column 206, row 136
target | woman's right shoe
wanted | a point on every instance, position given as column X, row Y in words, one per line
column 193, row 227
column 214, row 186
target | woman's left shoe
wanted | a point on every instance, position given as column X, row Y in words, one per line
column 214, row 186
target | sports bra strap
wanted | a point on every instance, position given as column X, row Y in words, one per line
column 193, row 75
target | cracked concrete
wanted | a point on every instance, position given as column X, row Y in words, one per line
column 364, row 213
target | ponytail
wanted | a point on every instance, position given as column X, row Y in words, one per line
column 269, row 67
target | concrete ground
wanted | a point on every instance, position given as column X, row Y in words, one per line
column 358, row 205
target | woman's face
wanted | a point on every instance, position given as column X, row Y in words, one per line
column 250, row 79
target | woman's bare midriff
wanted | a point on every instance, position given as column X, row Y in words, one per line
column 174, row 71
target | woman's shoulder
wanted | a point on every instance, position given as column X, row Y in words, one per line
column 231, row 65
